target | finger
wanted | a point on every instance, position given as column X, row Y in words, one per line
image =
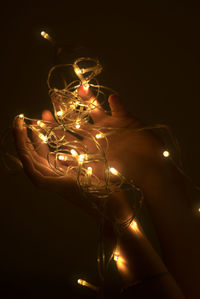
column 97, row 112
column 116, row 106
column 40, row 144
column 48, row 116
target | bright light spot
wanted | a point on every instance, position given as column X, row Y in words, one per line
column 78, row 124
column 99, row 136
column 134, row 225
column 21, row 116
column 62, row 158
column 44, row 138
column 44, row 34
column 40, row 124
column 59, row 113
column 116, row 256
column 82, row 282
column 89, row 171
column 78, row 71
column 166, row 154
column 113, row 171
column 81, row 158
column 199, row 209
column 73, row 152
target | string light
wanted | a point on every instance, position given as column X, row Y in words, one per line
column 59, row 113
column 68, row 105
column 74, row 153
column 113, row 171
column 46, row 36
column 43, row 138
column 99, row 136
column 166, row 154
column 87, row 284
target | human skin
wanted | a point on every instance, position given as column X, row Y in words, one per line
column 164, row 188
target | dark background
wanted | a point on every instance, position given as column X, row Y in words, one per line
column 150, row 54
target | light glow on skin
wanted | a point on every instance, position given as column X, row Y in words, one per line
column 86, row 86
column 21, row 116
column 166, row 154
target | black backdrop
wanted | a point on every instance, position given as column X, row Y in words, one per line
column 150, row 53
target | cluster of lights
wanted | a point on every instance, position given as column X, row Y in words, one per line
column 73, row 113
column 70, row 155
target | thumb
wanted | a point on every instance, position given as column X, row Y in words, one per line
column 116, row 106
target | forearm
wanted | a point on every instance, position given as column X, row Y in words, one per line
column 169, row 204
column 141, row 267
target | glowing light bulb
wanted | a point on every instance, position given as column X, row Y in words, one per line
column 199, row 209
column 74, row 153
column 166, row 154
column 81, row 158
column 116, row 256
column 43, row 137
column 59, row 113
column 89, row 170
column 99, row 136
column 82, row 282
column 78, row 71
column 77, row 124
column 86, row 86
column 87, row 284
column 45, row 35
column 113, row 171
column 62, row 158
column 40, row 124
column 21, row 116
column 134, row 225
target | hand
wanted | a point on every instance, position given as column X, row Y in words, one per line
column 133, row 151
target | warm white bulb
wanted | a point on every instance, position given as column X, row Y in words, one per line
column 81, row 158
column 116, row 256
column 89, row 170
column 44, row 34
column 113, row 171
column 73, row 152
column 166, row 154
column 99, row 136
column 21, row 116
column 78, row 71
column 59, row 113
column 82, row 282
column 199, row 209
column 62, row 158
column 40, row 124
column 44, row 138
